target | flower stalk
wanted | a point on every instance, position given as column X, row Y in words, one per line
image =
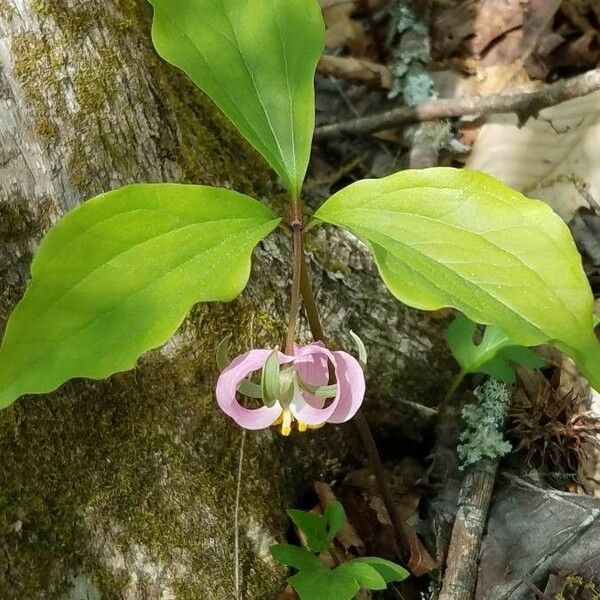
column 297, row 225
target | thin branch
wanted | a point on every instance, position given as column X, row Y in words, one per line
column 460, row 577
column 525, row 105
column 463, row 555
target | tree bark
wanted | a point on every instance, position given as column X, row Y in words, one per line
column 126, row 488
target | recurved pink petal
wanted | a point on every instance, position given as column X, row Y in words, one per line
column 351, row 387
column 306, row 407
column 240, row 368
column 312, row 365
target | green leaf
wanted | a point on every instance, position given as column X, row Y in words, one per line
column 365, row 575
column 296, row 557
column 324, row 585
column 448, row 237
column 117, row 276
column 257, row 62
column 335, row 517
column 313, row 526
column 493, row 355
column 387, row 569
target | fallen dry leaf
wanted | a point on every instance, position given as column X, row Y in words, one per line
column 342, row 31
column 553, row 158
column 493, row 19
column 347, row 536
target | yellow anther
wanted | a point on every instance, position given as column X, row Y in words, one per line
column 286, row 423
column 302, row 426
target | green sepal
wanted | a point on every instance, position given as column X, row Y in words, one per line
column 270, row 379
column 321, row 391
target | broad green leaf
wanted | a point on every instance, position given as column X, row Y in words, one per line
column 386, row 568
column 365, row 575
column 324, row 585
column 335, row 517
column 296, row 557
column 117, row 275
column 493, row 355
column 448, row 237
column 313, row 526
column 256, row 59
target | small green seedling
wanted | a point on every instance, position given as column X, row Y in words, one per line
column 314, row 579
column 495, row 355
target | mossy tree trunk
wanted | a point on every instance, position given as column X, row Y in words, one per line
column 126, row 488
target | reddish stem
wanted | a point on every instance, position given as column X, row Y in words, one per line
column 297, row 225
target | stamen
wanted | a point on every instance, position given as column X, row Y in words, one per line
column 302, row 426
column 286, row 423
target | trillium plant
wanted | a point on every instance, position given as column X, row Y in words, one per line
column 117, row 275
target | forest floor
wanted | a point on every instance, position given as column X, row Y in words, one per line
column 491, row 85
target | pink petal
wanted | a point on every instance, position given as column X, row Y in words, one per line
column 313, row 360
column 351, row 387
column 241, row 367
column 312, row 366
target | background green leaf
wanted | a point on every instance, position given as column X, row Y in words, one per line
column 493, row 355
column 313, row 526
column 117, row 275
column 294, row 556
column 335, row 518
column 451, row 237
column 257, row 61
column 365, row 575
column 389, row 570
column 324, row 585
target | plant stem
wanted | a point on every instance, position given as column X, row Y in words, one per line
column 458, row 379
column 310, row 304
column 405, row 538
column 296, row 224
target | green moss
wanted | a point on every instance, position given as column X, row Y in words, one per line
column 144, row 453
column 95, row 83
column 7, row 11
column 207, row 148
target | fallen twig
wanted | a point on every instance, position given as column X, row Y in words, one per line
column 463, row 554
column 460, row 576
column 525, row 105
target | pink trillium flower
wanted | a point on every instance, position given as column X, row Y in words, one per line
column 308, row 368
